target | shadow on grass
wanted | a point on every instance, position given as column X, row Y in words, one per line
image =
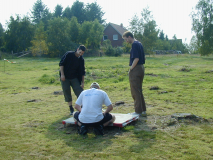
column 93, row 143
column 70, row 136
column 144, row 134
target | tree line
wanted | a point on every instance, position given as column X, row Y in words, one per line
column 145, row 30
column 54, row 33
column 64, row 29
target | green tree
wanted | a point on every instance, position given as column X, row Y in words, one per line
column 106, row 43
column 90, row 12
column 145, row 30
column 78, row 10
column 163, row 45
column 193, row 45
column 58, row 11
column 58, row 37
column 84, row 31
column 95, row 35
column 39, row 43
column 19, row 34
column 166, row 38
column 40, row 12
column 107, row 48
column 160, row 44
column 146, row 16
column 93, row 11
column 176, row 44
column 74, row 29
column 67, row 13
column 166, row 45
column 161, row 36
column 118, row 51
column 135, row 25
column 202, row 25
column 150, row 37
column 173, row 43
column 126, row 47
column 1, row 35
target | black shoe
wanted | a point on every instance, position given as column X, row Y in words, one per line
column 99, row 130
column 83, row 130
column 71, row 110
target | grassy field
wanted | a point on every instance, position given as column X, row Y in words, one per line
column 31, row 119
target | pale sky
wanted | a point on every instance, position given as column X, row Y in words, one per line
column 171, row 16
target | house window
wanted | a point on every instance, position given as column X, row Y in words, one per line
column 105, row 37
column 115, row 37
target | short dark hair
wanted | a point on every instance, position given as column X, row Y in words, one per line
column 82, row 47
column 127, row 34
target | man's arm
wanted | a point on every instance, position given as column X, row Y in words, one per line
column 135, row 62
column 62, row 73
column 78, row 107
column 82, row 83
column 109, row 108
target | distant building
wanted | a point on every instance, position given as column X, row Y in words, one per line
column 114, row 33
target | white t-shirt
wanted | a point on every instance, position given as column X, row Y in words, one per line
column 92, row 101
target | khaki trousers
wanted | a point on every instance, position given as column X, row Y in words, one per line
column 136, row 76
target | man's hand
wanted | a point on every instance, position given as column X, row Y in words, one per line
column 109, row 108
column 62, row 77
column 82, row 85
column 129, row 71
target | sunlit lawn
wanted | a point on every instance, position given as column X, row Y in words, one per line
column 30, row 119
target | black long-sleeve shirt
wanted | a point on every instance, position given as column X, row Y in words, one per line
column 73, row 66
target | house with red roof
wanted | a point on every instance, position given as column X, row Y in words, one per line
column 114, row 33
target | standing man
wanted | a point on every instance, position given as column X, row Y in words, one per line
column 136, row 72
column 72, row 72
column 91, row 113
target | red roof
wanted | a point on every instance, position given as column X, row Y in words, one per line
column 119, row 28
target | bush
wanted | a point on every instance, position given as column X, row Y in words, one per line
column 118, row 51
column 126, row 47
column 92, row 53
column 110, row 51
column 46, row 79
column 107, row 43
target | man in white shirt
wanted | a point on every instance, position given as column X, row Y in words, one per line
column 91, row 114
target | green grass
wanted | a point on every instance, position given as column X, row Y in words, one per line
column 33, row 130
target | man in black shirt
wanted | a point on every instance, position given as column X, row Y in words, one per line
column 72, row 72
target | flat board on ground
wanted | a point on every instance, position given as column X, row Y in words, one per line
column 121, row 120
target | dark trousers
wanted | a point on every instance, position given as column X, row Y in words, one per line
column 74, row 83
column 136, row 79
column 107, row 117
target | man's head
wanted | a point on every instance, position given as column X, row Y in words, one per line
column 82, row 47
column 80, row 51
column 95, row 85
column 128, row 37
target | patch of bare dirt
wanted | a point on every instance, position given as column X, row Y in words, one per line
column 169, row 122
column 34, row 123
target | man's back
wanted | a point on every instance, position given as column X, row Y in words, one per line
column 91, row 101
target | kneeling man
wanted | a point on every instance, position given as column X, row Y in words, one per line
column 90, row 114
